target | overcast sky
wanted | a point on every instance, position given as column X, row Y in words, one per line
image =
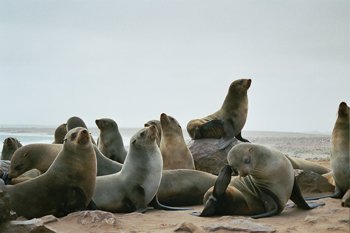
column 133, row 60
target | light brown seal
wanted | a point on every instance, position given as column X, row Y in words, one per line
column 110, row 142
column 40, row 156
column 9, row 147
column 136, row 185
column 173, row 147
column 303, row 164
column 156, row 123
column 74, row 122
column 228, row 121
column 66, row 187
column 60, row 133
column 266, row 181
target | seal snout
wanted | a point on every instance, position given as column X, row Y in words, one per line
column 83, row 136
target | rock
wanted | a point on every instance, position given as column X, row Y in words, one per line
column 311, row 182
column 312, row 219
column 96, row 216
column 239, row 224
column 4, row 166
column 207, row 156
column 30, row 226
column 188, row 227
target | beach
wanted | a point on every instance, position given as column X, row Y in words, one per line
column 331, row 217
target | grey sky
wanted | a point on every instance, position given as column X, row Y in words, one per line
column 132, row 60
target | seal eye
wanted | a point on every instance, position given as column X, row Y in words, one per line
column 74, row 135
column 240, row 83
column 247, row 160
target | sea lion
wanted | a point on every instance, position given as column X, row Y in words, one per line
column 66, row 187
column 40, row 156
column 184, row 187
column 228, row 121
column 110, row 142
column 60, row 133
column 266, row 181
column 303, row 164
column 9, row 147
column 156, row 123
column 173, row 147
column 136, row 185
column 75, row 121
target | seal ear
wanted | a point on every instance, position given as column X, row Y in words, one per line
column 133, row 141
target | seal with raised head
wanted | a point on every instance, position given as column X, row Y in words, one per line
column 228, row 121
column 74, row 122
column 173, row 147
column 156, row 123
column 135, row 186
column 266, row 181
column 9, row 147
column 110, row 142
column 60, row 133
column 66, row 187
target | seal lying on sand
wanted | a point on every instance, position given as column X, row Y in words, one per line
column 173, row 147
column 110, row 142
column 266, row 181
column 66, row 187
column 9, row 148
column 228, row 121
column 136, row 185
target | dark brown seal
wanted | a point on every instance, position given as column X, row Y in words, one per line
column 9, row 147
column 228, row 121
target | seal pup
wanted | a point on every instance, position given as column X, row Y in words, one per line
column 228, row 121
column 40, row 156
column 110, row 142
column 9, row 147
column 156, row 123
column 75, row 121
column 266, row 181
column 136, row 185
column 173, row 147
column 66, row 187
column 60, row 133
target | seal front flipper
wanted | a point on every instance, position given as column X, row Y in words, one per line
column 270, row 205
column 156, row 205
column 5, row 178
column 298, row 199
column 205, row 126
column 219, row 190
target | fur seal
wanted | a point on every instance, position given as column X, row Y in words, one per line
column 9, row 147
column 173, row 147
column 40, row 156
column 266, row 181
column 110, row 142
column 66, row 187
column 36, row 155
column 60, row 133
column 228, row 121
column 156, row 123
column 74, row 122
column 303, row 164
column 136, row 185
column 184, row 187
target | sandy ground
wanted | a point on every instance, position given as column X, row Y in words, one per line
column 329, row 218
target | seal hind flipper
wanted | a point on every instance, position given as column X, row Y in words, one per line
column 205, row 126
column 156, row 205
column 298, row 199
column 219, row 190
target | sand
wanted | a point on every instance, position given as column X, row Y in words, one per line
column 329, row 218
